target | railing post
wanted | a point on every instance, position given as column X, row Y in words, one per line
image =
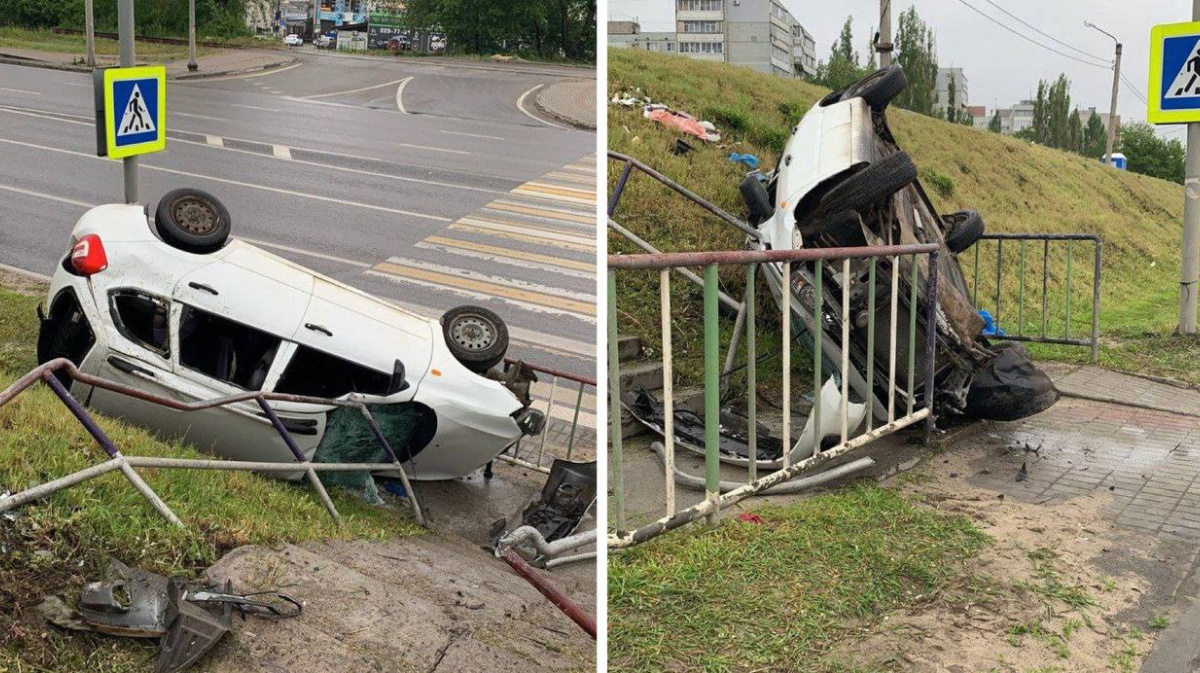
column 931, row 299
column 912, row 337
column 617, row 470
column 575, row 421
column 1096, row 305
column 1067, row 326
column 664, row 289
column 871, row 343
column 712, row 401
column 619, row 189
column 752, row 372
column 313, row 479
column 786, row 363
column 894, row 328
column 818, row 354
column 1021, row 294
column 387, row 448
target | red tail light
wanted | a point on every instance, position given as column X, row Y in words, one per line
column 87, row 257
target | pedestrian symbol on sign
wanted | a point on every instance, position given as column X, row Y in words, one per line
column 136, row 118
column 1187, row 81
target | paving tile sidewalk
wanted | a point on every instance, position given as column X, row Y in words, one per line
column 224, row 62
column 572, row 101
column 1099, row 384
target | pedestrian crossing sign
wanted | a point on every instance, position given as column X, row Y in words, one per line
column 1174, row 74
column 135, row 109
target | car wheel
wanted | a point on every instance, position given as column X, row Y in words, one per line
column 192, row 220
column 838, row 224
column 870, row 185
column 756, row 198
column 879, row 88
column 476, row 336
column 963, row 229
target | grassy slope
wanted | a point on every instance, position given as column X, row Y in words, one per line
column 788, row 588
column 1016, row 186
column 50, row 547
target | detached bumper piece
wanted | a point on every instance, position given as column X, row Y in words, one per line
column 567, row 496
column 188, row 620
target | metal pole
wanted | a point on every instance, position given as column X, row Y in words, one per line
column 616, row 474
column 668, row 382
column 712, row 400
column 1190, row 270
column 89, row 29
column 1112, row 110
column 930, row 344
column 884, row 46
column 192, row 65
column 125, row 30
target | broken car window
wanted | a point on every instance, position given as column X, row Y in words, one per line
column 142, row 318
column 318, row 374
column 224, row 349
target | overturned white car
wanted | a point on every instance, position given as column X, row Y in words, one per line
column 179, row 309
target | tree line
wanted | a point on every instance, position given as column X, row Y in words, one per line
column 155, row 18
column 553, row 29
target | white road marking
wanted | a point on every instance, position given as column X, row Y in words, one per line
column 528, row 231
column 500, row 259
column 60, row 199
column 274, row 91
column 188, row 114
column 31, row 93
column 432, row 149
column 77, row 84
column 521, row 107
column 281, row 151
column 215, row 141
column 400, row 93
column 263, row 73
column 46, row 116
column 350, row 91
column 239, row 183
column 254, row 107
column 309, row 253
column 471, row 135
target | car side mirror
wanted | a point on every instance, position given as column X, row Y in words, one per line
column 398, row 383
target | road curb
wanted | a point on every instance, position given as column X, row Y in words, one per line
column 237, row 71
column 35, row 63
column 588, row 125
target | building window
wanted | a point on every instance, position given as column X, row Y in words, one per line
column 701, row 26
column 698, row 5
column 779, row 53
column 779, row 12
column 701, row 48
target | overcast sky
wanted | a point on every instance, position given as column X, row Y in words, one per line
column 1001, row 68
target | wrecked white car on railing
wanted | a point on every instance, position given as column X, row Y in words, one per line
column 177, row 308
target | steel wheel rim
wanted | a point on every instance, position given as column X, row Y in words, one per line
column 195, row 216
column 473, row 333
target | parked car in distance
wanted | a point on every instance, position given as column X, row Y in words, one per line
column 437, row 43
column 180, row 309
column 323, row 42
column 399, row 43
column 293, row 40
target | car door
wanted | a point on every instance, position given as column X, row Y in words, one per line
column 233, row 322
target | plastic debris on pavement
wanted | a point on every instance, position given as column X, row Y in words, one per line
column 750, row 160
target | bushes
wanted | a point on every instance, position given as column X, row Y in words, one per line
column 156, row 18
column 942, row 184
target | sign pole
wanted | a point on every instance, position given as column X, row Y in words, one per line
column 125, row 31
column 192, row 66
column 885, row 34
column 1190, row 269
column 90, row 34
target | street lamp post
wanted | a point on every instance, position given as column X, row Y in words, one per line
column 1112, row 110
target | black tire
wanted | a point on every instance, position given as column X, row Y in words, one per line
column 871, row 185
column 757, row 199
column 963, row 229
column 879, row 88
column 192, row 220
column 838, row 224
column 476, row 336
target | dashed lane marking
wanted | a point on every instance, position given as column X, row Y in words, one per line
column 189, row 114
column 469, row 135
column 215, row 141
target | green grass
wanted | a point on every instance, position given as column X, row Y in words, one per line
column 1015, row 185
column 46, row 40
column 52, row 545
column 742, row 596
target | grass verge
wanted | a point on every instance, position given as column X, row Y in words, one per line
column 50, row 547
column 1015, row 185
column 747, row 596
column 46, row 40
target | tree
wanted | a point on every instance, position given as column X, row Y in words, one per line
column 1149, row 154
column 916, row 53
column 545, row 28
column 1075, row 133
column 994, row 125
column 951, row 101
column 842, row 69
column 1095, row 137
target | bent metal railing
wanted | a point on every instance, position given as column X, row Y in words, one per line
column 126, row 464
column 556, row 375
column 718, row 494
column 1044, row 335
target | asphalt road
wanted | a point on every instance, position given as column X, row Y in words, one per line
column 422, row 182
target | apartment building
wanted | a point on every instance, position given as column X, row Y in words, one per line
column 759, row 34
column 961, row 95
column 804, row 52
column 629, row 35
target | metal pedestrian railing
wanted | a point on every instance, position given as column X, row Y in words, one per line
column 46, row 373
column 1002, row 293
column 827, row 320
column 581, row 384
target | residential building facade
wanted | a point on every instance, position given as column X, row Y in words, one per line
column 629, row 35
column 944, row 77
column 804, row 52
column 758, row 34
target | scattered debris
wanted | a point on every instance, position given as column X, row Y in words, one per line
column 681, row 121
column 681, row 148
column 1023, row 473
column 565, row 500
column 750, row 517
column 750, row 160
column 135, row 603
